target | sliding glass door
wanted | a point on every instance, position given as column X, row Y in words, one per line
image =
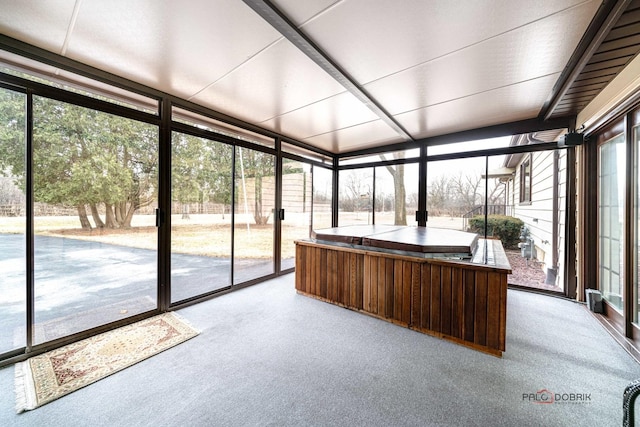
column 13, row 221
column 255, row 201
column 297, row 180
column 611, row 208
column 95, row 190
column 201, row 188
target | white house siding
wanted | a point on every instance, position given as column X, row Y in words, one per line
column 562, row 213
column 538, row 215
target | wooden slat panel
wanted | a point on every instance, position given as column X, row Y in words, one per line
column 457, row 292
column 445, row 301
column 388, row 286
column 466, row 304
column 416, row 278
column 358, row 281
column 503, row 313
column 469, row 305
column 323, row 273
column 397, row 289
column 332, row 290
column 341, row 278
column 425, row 293
column 366, row 285
column 299, row 266
column 493, row 309
column 381, row 282
column 374, row 279
column 311, row 256
column 405, row 317
column 436, row 284
column 480, row 320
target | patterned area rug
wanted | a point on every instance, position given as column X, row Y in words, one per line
column 51, row 375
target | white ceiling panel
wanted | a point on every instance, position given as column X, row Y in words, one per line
column 504, row 105
column 373, row 39
column 436, row 66
column 41, row 23
column 278, row 80
column 177, row 47
column 511, row 58
column 353, row 138
column 338, row 112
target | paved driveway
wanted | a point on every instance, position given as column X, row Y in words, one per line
column 81, row 284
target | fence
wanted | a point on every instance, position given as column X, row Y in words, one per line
column 39, row 209
column 506, row 210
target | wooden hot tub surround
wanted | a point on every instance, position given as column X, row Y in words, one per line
column 461, row 300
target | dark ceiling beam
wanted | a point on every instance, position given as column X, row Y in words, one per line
column 495, row 131
column 605, row 18
column 288, row 29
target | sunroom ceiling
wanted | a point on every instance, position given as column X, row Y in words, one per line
column 430, row 67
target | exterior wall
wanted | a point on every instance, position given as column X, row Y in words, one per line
column 538, row 215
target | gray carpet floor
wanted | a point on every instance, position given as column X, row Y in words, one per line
column 270, row 357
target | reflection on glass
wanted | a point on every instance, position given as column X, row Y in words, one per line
column 296, row 202
column 396, row 194
column 355, row 194
column 202, row 122
column 413, row 153
column 12, row 221
column 466, row 146
column 255, row 191
column 200, row 216
column 95, row 192
column 322, row 197
column 611, row 187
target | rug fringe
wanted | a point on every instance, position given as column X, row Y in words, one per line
column 24, row 387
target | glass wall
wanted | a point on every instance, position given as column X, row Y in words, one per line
column 611, row 205
column 201, row 188
column 396, row 199
column 355, row 202
column 95, row 190
column 636, row 214
column 13, row 221
column 322, row 197
column 297, row 191
column 255, row 196
column 455, row 192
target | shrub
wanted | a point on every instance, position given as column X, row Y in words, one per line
column 505, row 228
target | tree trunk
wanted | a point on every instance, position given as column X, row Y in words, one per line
column 400, row 196
column 119, row 213
column 84, row 219
column 257, row 214
column 96, row 216
column 185, row 211
column 126, row 221
column 110, row 220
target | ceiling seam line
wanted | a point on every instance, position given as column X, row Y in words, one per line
column 478, row 93
column 342, row 128
column 71, row 27
column 237, row 67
